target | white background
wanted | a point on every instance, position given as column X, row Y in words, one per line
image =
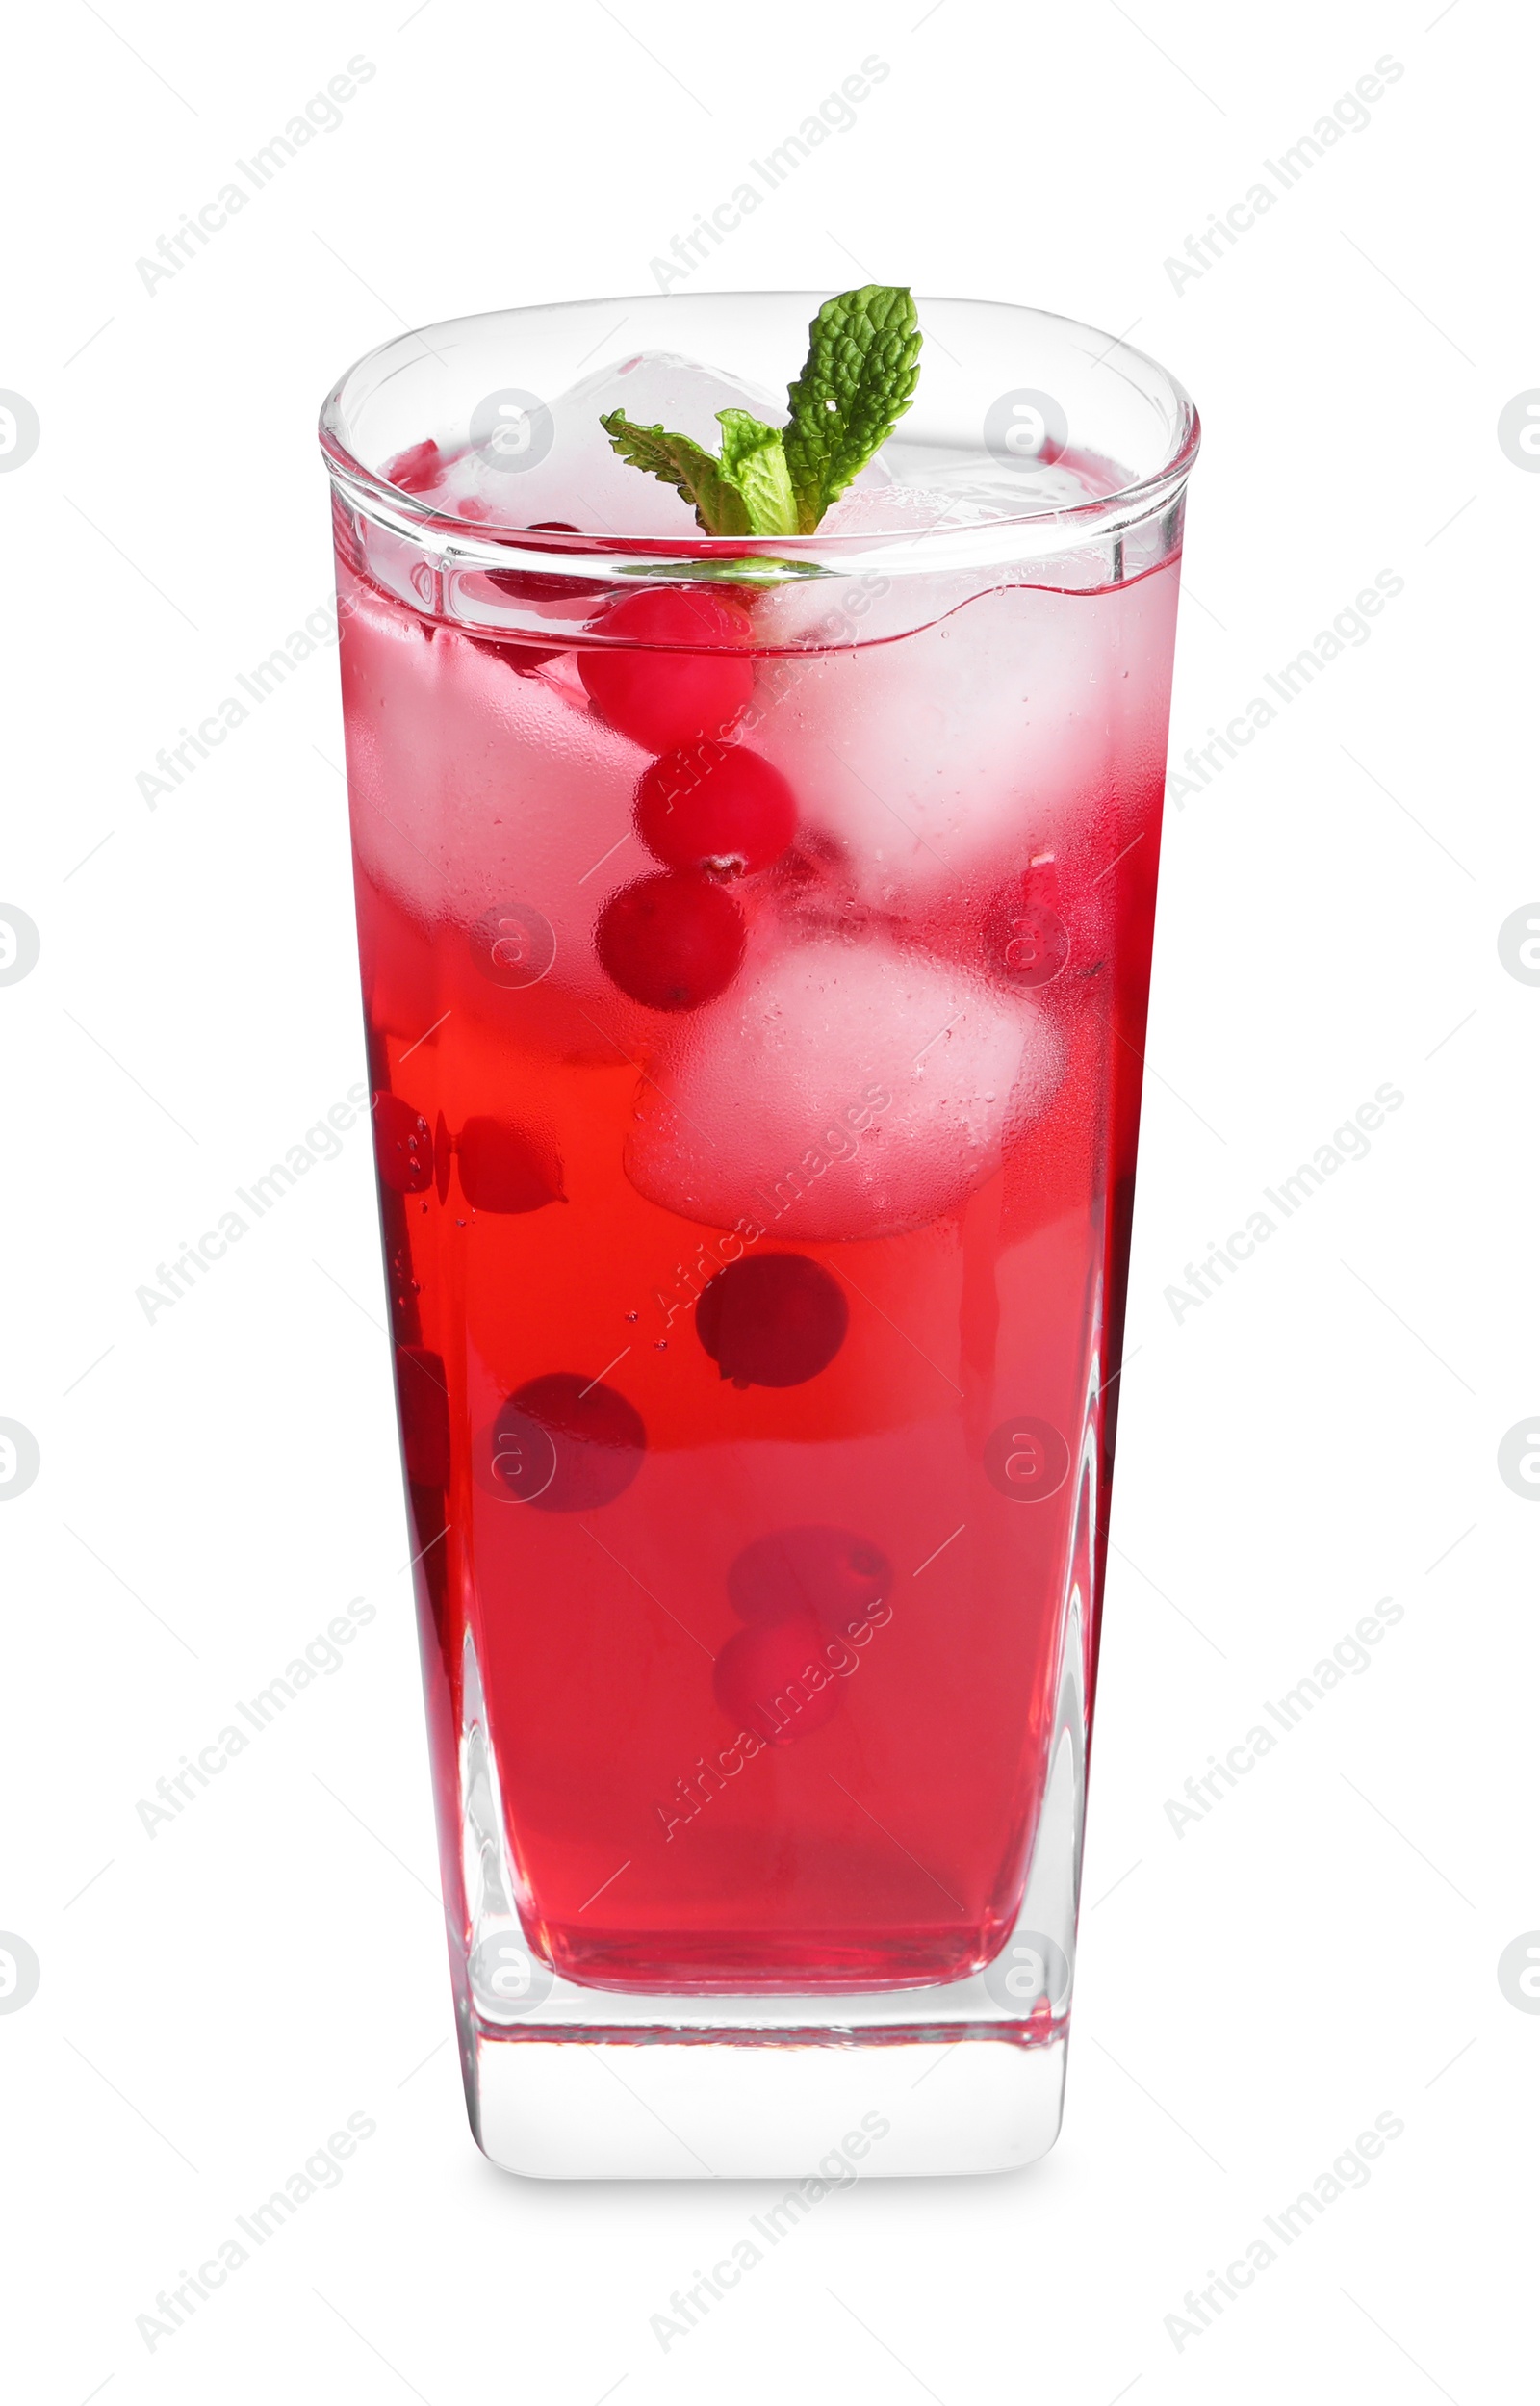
column 1322, row 1947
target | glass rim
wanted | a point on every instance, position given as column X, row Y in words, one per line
column 946, row 545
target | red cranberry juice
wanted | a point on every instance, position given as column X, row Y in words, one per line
column 756, row 1039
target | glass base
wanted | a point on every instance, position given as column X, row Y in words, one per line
column 568, row 2081
column 644, row 2103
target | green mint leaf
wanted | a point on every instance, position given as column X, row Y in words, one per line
column 753, row 462
column 861, row 369
column 718, row 506
column 747, row 491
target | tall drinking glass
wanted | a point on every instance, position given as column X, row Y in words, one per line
column 755, row 938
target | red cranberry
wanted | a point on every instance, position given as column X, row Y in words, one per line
column 524, row 658
column 772, row 1320
column 503, row 1168
column 828, row 1572
column 530, row 584
column 671, row 942
column 415, row 471
column 586, row 1437
column 403, row 1145
column 422, row 1390
column 776, row 1679
column 692, row 688
column 716, row 807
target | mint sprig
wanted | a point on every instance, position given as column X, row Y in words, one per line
column 859, row 376
column 675, row 459
column 864, row 363
column 754, row 463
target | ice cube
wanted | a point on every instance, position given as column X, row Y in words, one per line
column 934, row 765
column 580, row 479
column 533, row 813
column 928, row 487
column 970, row 494
column 888, row 508
column 842, row 1089
column 575, row 477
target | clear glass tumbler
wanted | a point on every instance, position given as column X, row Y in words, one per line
column 755, row 938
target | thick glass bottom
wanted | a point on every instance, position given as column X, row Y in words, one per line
column 819, row 2110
